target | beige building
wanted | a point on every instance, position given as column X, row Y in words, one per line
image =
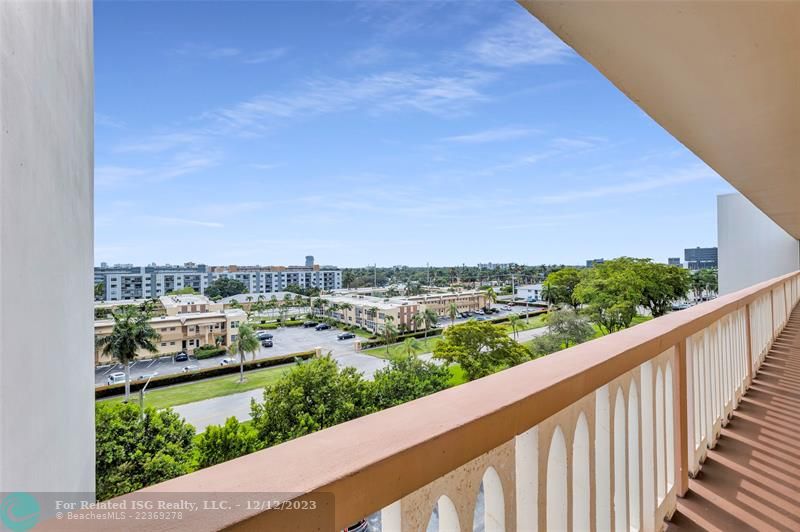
column 189, row 322
column 371, row 313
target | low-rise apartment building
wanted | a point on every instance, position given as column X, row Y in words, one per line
column 189, row 321
column 271, row 279
column 372, row 313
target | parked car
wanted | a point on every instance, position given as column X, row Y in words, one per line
column 481, row 318
column 266, row 343
column 345, row 336
column 322, row 327
column 308, row 324
column 187, row 369
column 264, row 335
column 507, row 308
column 117, row 377
column 480, row 312
column 181, row 357
column 227, row 360
column 465, row 314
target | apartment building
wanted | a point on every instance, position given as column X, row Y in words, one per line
column 271, row 279
column 701, row 258
column 126, row 281
column 188, row 322
column 372, row 312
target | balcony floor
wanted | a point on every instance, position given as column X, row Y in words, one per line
column 751, row 479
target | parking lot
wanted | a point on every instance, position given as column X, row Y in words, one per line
column 285, row 341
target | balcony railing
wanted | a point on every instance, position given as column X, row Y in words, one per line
column 601, row 436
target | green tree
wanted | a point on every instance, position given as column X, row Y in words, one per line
column 133, row 451
column 186, row 290
column 452, row 311
column 220, row 443
column 410, row 346
column 131, row 332
column 99, row 291
column 544, row 345
column 311, row 396
column 568, row 328
column 480, row 348
column 225, row 287
column 419, row 320
column 389, row 332
column 611, row 291
column 491, row 296
column 430, row 319
column 406, row 379
column 559, row 287
column 246, row 342
column 662, row 285
column 513, row 321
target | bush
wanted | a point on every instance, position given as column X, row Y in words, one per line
column 132, row 452
column 177, row 378
column 222, row 443
column 208, row 351
column 275, row 325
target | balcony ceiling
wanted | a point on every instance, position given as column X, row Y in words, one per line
column 722, row 77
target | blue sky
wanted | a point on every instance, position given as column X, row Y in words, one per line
column 374, row 132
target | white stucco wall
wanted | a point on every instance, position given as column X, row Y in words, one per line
column 46, row 255
column 752, row 248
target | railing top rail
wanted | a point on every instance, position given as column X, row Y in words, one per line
column 370, row 462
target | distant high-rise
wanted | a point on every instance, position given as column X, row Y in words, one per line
column 700, row 258
column 674, row 261
column 309, row 261
column 593, row 262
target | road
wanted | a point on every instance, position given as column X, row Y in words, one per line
column 216, row 410
column 286, row 340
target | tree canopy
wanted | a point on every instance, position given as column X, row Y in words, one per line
column 134, row 451
column 479, row 348
column 312, row 396
column 559, row 287
column 225, row 287
column 405, row 379
column 611, row 292
column 220, row 443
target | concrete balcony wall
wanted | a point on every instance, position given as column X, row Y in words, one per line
column 752, row 248
column 46, row 256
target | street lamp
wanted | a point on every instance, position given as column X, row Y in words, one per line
column 141, row 398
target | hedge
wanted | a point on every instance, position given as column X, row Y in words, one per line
column 275, row 325
column 200, row 374
column 203, row 352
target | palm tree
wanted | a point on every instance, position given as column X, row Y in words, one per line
column 389, row 332
column 246, row 342
column 430, row 318
column 418, row 319
column 410, row 346
column 131, row 332
column 491, row 296
column 513, row 320
column 344, row 307
column 452, row 310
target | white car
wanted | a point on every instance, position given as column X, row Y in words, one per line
column 226, row 361
column 115, row 378
column 187, row 369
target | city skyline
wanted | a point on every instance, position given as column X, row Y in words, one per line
column 377, row 134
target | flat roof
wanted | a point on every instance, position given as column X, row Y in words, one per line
column 184, row 299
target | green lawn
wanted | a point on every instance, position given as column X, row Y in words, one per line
column 197, row 391
column 424, row 345
column 523, row 325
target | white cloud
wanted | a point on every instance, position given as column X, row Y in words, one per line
column 159, row 143
column 687, row 175
column 519, row 40
column 492, row 135
column 264, row 56
column 173, row 221
column 179, row 165
column 385, row 92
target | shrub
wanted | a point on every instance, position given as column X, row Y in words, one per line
column 220, row 443
column 134, row 451
column 208, row 351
